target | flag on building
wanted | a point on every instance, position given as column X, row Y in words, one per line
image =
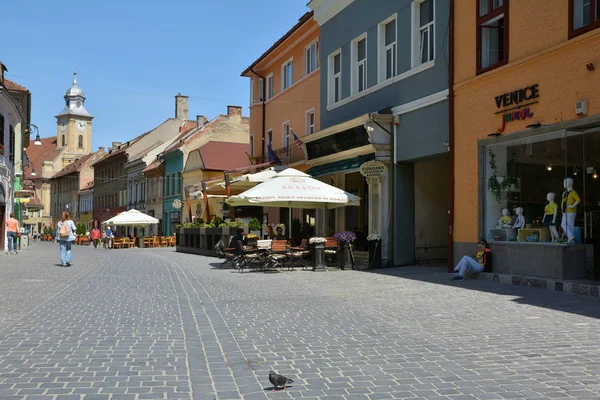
column 272, row 156
column 296, row 140
column 252, row 159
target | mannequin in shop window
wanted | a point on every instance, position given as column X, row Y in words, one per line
column 568, row 205
column 520, row 222
column 505, row 221
column 550, row 213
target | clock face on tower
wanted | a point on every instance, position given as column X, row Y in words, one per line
column 63, row 124
column 81, row 125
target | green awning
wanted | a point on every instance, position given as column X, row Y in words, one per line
column 339, row 166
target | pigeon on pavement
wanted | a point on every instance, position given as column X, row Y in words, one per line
column 278, row 380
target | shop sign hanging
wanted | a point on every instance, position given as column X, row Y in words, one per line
column 372, row 169
column 516, row 98
column 177, row 204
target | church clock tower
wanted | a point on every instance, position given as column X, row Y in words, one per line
column 74, row 125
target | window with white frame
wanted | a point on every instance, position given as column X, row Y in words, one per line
column 388, row 49
column 251, row 145
column 311, row 57
column 287, row 73
column 252, row 98
column 359, row 64
column 269, row 141
column 335, row 77
column 423, row 32
column 261, row 84
column 269, row 86
column 285, row 140
column 310, row 121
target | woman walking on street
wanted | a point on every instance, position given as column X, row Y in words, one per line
column 95, row 236
column 66, row 235
column 12, row 232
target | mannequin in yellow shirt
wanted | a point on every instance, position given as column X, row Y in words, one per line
column 550, row 213
column 569, row 203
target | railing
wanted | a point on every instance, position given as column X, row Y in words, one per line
column 286, row 155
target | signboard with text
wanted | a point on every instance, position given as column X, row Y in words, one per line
column 372, row 169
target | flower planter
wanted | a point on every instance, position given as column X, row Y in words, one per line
column 318, row 250
column 346, row 261
column 374, row 254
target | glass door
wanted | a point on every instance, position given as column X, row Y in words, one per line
column 590, row 201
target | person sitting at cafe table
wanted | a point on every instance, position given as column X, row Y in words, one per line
column 279, row 235
column 239, row 237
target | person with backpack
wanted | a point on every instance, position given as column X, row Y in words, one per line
column 66, row 235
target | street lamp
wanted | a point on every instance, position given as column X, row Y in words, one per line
column 33, row 171
column 27, row 129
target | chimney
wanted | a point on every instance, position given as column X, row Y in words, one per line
column 2, row 69
column 200, row 120
column 100, row 148
column 234, row 110
column 181, row 107
column 115, row 145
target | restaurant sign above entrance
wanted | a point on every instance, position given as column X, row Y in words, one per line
column 520, row 100
column 372, row 169
column 177, row 204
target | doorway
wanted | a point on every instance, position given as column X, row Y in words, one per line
column 591, row 197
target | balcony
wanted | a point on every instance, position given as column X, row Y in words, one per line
column 287, row 155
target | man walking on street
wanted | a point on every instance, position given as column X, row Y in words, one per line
column 109, row 236
column 12, row 232
column 95, row 236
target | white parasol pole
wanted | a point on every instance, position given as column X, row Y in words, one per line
column 290, row 220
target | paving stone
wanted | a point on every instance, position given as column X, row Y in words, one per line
column 152, row 323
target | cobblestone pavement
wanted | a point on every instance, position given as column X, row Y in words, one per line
column 155, row 324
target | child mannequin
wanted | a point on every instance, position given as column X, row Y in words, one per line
column 550, row 213
column 520, row 222
column 505, row 221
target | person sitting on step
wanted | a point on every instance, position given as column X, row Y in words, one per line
column 482, row 261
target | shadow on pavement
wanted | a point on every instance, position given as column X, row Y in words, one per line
column 566, row 302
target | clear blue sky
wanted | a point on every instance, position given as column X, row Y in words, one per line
column 133, row 56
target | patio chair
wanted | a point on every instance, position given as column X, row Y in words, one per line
column 278, row 254
column 128, row 243
column 117, row 243
column 155, row 241
column 164, row 241
column 173, row 241
column 331, row 252
column 232, row 257
column 300, row 255
column 147, row 242
column 258, row 259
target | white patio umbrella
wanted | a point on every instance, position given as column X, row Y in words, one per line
column 131, row 217
column 248, row 181
column 292, row 188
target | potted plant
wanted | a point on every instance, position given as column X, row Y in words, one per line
column 318, row 248
column 252, row 239
column 499, row 186
column 254, row 226
column 346, row 238
column 80, row 231
column 47, row 233
column 374, row 240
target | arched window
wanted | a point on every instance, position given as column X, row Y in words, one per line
column 64, row 141
column 80, row 141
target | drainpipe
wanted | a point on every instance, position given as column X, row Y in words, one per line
column 451, row 135
column 264, row 112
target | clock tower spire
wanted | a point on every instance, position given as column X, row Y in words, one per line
column 74, row 124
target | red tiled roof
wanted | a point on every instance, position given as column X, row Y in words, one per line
column 289, row 33
column 224, row 156
column 33, row 202
column 38, row 154
column 153, row 165
column 10, row 85
column 74, row 166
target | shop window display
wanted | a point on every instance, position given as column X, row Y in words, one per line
column 522, row 177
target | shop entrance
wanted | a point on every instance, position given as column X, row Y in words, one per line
column 356, row 218
column 591, row 197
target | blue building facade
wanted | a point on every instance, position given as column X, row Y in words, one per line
column 384, row 77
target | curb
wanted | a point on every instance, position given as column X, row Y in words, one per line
column 581, row 289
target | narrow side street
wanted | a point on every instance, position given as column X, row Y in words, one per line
column 155, row 324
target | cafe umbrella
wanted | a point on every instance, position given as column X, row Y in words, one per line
column 294, row 189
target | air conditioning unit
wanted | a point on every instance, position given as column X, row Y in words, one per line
column 581, row 108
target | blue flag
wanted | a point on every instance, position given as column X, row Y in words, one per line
column 272, row 156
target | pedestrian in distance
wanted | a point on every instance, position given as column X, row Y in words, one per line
column 482, row 261
column 12, row 233
column 109, row 237
column 95, row 237
column 66, row 235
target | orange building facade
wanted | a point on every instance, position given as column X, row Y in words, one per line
column 284, row 100
column 527, row 124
